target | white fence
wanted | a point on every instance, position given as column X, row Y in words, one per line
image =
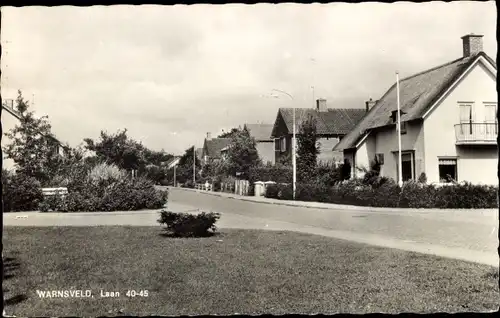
column 54, row 191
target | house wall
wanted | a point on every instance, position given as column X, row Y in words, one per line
column 326, row 150
column 385, row 142
column 476, row 164
column 266, row 151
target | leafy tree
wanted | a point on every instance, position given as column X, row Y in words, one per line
column 185, row 166
column 118, row 149
column 33, row 146
column 242, row 154
column 156, row 158
column 307, row 150
column 231, row 133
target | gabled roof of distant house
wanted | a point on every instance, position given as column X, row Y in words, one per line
column 260, row 132
column 172, row 161
column 212, row 147
column 418, row 93
column 333, row 121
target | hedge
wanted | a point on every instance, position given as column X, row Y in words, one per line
column 386, row 193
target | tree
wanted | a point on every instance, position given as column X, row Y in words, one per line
column 118, row 149
column 185, row 166
column 32, row 147
column 307, row 150
column 242, row 154
column 231, row 133
column 156, row 158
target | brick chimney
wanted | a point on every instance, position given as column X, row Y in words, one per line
column 369, row 104
column 321, row 105
column 209, row 136
column 472, row 44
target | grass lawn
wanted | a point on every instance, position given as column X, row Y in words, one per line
column 248, row 272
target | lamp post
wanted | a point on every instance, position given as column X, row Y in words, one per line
column 294, row 143
column 400, row 169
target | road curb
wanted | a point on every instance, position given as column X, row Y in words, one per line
column 329, row 206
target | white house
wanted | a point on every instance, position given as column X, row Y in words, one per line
column 449, row 123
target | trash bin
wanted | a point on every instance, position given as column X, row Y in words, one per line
column 259, row 188
column 266, row 184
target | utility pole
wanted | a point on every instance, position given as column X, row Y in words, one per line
column 400, row 168
column 175, row 176
column 194, row 165
column 294, row 148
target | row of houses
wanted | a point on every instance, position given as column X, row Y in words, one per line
column 449, row 125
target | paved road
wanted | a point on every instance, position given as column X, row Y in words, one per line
column 461, row 236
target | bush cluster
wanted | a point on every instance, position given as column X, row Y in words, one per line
column 384, row 192
column 20, row 192
column 189, row 225
column 105, row 188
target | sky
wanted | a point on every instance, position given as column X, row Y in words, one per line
column 170, row 74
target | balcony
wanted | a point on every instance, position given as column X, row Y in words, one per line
column 476, row 133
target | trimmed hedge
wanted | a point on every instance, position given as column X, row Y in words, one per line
column 20, row 192
column 386, row 193
column 189, row 225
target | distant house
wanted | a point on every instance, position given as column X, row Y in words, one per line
column 172, row 162
column 332, row 124
column 212, row 148
column 9, row 122
column 449, row 123
column 264, row 142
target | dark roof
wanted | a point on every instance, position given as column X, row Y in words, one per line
column 417, row 94
column 261, row 132
column 215, row 145
column 334, row 121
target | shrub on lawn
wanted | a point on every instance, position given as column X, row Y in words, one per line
column 189, row 225
column 55, row 203
column 106, row 173
column 124, row 195
column 20, row 192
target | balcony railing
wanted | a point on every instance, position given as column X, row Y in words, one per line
column 476, row 133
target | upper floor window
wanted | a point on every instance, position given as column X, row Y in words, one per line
column 466, row 118
column 283, row 144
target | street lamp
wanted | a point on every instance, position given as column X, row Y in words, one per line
column 294, row 143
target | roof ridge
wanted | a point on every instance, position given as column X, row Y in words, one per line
column 465, row 59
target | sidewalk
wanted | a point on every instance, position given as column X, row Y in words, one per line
column 332, row 206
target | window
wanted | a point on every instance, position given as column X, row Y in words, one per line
column 447, row 170
column 403, row 127
column 277, row 144
column 283, row 144
column 380, row 158
column 407, row 165
column 466, row 119
column 490, row 118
